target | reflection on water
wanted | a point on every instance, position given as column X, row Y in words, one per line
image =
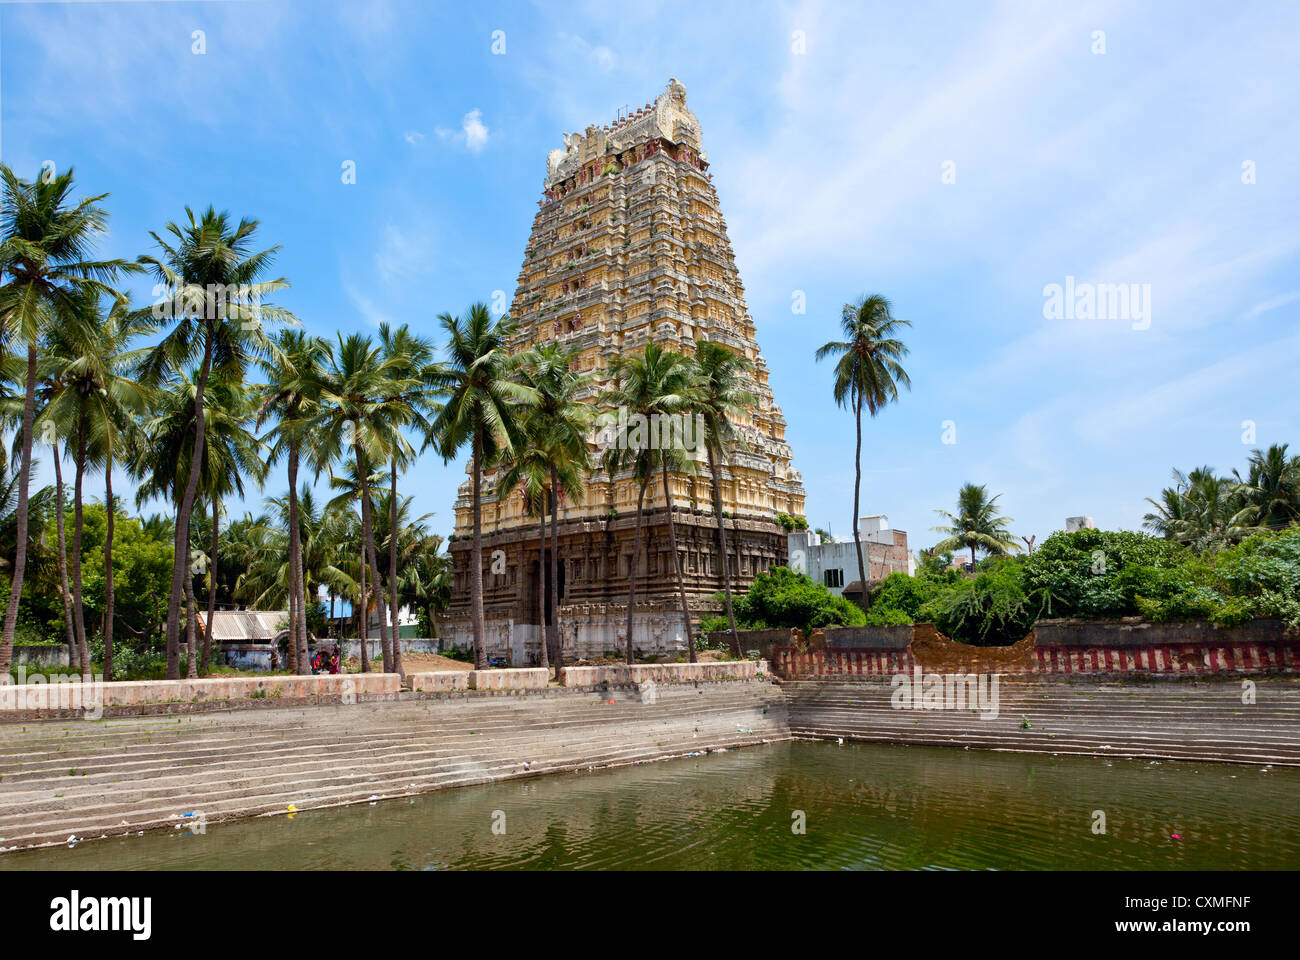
column 865, row 806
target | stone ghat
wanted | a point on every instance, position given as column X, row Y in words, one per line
column 70, row 778
column 1196, row 720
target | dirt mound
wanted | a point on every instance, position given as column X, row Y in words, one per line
column 932, row 651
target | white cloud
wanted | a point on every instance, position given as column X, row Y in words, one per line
column 473, row 133
column 414, row 137
column 476, row 133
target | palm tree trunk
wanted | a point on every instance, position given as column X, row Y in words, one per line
column 722, row 550
column 304, row 638
column 20, row 552
column 557, row 637
column 677, row 561
column 212, row 586
column 635, row 565
column 180, row 564
column 543, row 627
column 109, row 600
column 476, row 560
column 78, row 610
column 291, row 646
column 368, row 532
column 972, row 558
column 392, row 571
column 191, row 622
column 361, row 593
column 74, row 652
column 857, row 487
column 299, row 625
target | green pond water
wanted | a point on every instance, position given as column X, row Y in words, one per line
column 863, row 806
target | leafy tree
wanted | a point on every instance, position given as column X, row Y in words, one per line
column 1094, row 573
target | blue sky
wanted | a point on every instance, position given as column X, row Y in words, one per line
column 1117, row 167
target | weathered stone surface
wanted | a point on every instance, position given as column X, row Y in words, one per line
column 132, row 692
column 439, row 680
column 1135, row 632
column 868, row 638
column 622, row 674
column 525, row 678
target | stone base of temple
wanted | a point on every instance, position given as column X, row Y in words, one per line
column 594, row 559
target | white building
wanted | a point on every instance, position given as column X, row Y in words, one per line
column 835, row 563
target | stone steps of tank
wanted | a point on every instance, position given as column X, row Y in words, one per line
column 254, row 780
column 208, row 738
column 1208, row 722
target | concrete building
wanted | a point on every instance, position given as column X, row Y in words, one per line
column 1079, row 523
column 629, row 247
column 835, row 563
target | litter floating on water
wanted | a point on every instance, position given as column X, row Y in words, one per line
column 1174, row 836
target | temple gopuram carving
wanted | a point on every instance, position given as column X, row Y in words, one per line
column 629, row 246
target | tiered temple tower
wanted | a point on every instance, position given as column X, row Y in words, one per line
column 629, row 246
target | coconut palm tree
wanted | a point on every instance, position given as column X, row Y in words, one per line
column 478, row 412
column 229, row 453
column 216, row 307
column 45, row 273
column 654, row 387
column 1271, row 490
column 11, row 408
column 292, row 395
column 418, row 378
column 363, row 407
column 558, row 424
column 868, row 373
column 719, row 394
column 976, row 524
column 427, row 577
column 1168, row 517
column 92, row 403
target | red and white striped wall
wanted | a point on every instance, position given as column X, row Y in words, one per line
column 1179, row 659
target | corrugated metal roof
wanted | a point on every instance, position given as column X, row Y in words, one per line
column 247, row 626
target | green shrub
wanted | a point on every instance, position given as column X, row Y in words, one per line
column 1084, row 572
column 898, row 598
column 782, row 598
column 786, row 522
column 995, row 608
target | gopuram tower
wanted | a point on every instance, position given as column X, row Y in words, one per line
column 629, row 247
